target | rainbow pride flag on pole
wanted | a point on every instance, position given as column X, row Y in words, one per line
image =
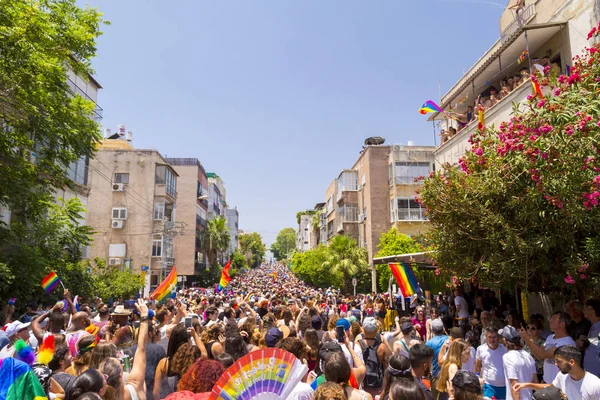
column 407, row 282
column 50, row 282
column 167, row 288
column 225, row 278
column 18, row 382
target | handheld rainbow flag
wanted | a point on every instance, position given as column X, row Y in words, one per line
column 523, row 56
column 167, row 288
column 225, row 278
column 50, row 282
column 407, row 282
column 430, row 107
column 274, row 275
column 18, row 381
column 536, row 87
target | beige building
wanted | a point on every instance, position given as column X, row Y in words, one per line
column 555, row 30
column 192, row 212
column 131, row 207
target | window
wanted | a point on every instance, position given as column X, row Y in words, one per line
column 160, row 175
column 157, row 245
column 406, row 172
column 121, row 178
column 410, row 210
column 78, row 170
column 119, row 213
column 170, row 212
column 159, row 211
column 329, row 229
column 118, row 250
column 165, row 176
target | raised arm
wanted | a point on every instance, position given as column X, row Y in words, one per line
column 138, row 371
column 198, row 342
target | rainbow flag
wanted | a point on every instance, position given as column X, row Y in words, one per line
column 274, row 275
column 50, row 282
column 536, row 88
column 167, row 287
column 18, row 382
column 407, row 282
column 225, row 278
column 430, row 107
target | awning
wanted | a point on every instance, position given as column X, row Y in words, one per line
column 420, row 260
column 500, row 60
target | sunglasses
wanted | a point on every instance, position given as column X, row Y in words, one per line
column 532, row 328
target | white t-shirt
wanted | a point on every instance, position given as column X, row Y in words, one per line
column 587, row 388
column 464, row 307
column 519, row 365
column 550, row 369
column 470, row 365
column 492, row 371
column 302, row 391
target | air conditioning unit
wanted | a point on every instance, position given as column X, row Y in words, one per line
column 362, row 217
column 114, row 261
column 398, row 147
column 118, row 187
column 118, row 223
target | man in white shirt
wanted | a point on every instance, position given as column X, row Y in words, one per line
column 558, row 324
column 574, row 382
column 462, row 307
column 519, row 366
column 489, row 362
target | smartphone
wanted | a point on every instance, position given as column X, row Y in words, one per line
column 339, row 332
column 188, row 322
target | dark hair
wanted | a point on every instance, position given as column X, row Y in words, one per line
column 406, row 389
column 419, row 354
column 178, row 337
column 210, row 311
column 398, row 369
column 337, row 369
column 56, row 319
column 568, row 353
column 88, row 381
column 457, row 333
column 236, row 346
column 595, row 305
column 59, row 355
column 294, row 345
column 563, row 317
column 225, row 359
column 89, row 396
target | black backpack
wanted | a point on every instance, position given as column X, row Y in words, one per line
column 374, row 377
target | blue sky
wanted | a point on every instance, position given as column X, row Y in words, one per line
column 278, row 96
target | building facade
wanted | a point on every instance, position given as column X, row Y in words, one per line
column 192, row 212
column 132, row 209
column 216, row 196
column 552, row 30
column 233, row 224
column 304, row 233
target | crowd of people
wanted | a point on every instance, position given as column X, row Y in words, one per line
column 463, row 346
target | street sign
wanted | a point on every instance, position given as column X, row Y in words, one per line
column 145, row 268
column 354, row 282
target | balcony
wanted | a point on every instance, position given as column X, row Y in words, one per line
column 77, row 90
column 524, row 17
column 411, row 214
column 170, row 261
column 348, row 214
column 200, row 221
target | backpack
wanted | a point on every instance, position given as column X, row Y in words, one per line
column 374, row 377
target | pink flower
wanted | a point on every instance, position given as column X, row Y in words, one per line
column 437, row 271
column 582, row 276
column 479, row 151
column 541, row 103
column 584, row 267
column 557, row 92
column 546, row 128
column 598, row 124
column 574, row 78
column 569, row 279
column 544, row 156
column 562, row 79
column 591, row 33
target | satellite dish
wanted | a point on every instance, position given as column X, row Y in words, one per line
column 374, row 141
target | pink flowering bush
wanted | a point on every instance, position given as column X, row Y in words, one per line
column 523, row 205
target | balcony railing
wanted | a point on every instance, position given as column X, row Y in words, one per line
column 200, row 220
column 411, row 214
column 170, row 261
column 77, row 90
column 522, row 18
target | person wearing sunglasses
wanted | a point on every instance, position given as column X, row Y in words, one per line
column 534, row 328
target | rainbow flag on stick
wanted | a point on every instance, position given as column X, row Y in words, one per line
column 407, row 282
column 225, row 278
column 167, row 288
column 50, row 282
column 430, row 107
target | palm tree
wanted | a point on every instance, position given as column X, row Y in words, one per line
column 345, row 257
column 216, row 238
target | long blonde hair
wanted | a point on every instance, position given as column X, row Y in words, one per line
column 454, row 356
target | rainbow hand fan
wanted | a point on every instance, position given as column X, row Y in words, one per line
column 263, row 374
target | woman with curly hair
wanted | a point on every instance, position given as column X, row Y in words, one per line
column 247, row 331
column 183, row 359
column 330, row 391
column 212, row 337
column 201, row 376
column 178, row 338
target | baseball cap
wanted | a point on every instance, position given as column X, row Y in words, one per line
column 406, row 327
column 15, row 327
column 437, row 325
column 370, row 325
column 509, row 333
column 549, row 393
column 273, row 336
column 467, row 381
column 316, row 323
column 328, row 348
column 343, row 322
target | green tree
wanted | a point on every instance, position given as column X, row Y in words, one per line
column 308, row 266
column 346, row 258
column 238, row 263
column 216, row 238
column 284, row 244
column 523, row 207
column 392, row 243
column 253, row 248
column 114, row 282
column 44, row 127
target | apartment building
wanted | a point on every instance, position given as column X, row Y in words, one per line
column 216, row 196
column 192, row 212
column 319, row 233
column 555, row 30
column 408, row 165
column 304, row 233
column 131, row 207
column 330, row 214
column 233, row 221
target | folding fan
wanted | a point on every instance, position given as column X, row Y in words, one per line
column 263, row 374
